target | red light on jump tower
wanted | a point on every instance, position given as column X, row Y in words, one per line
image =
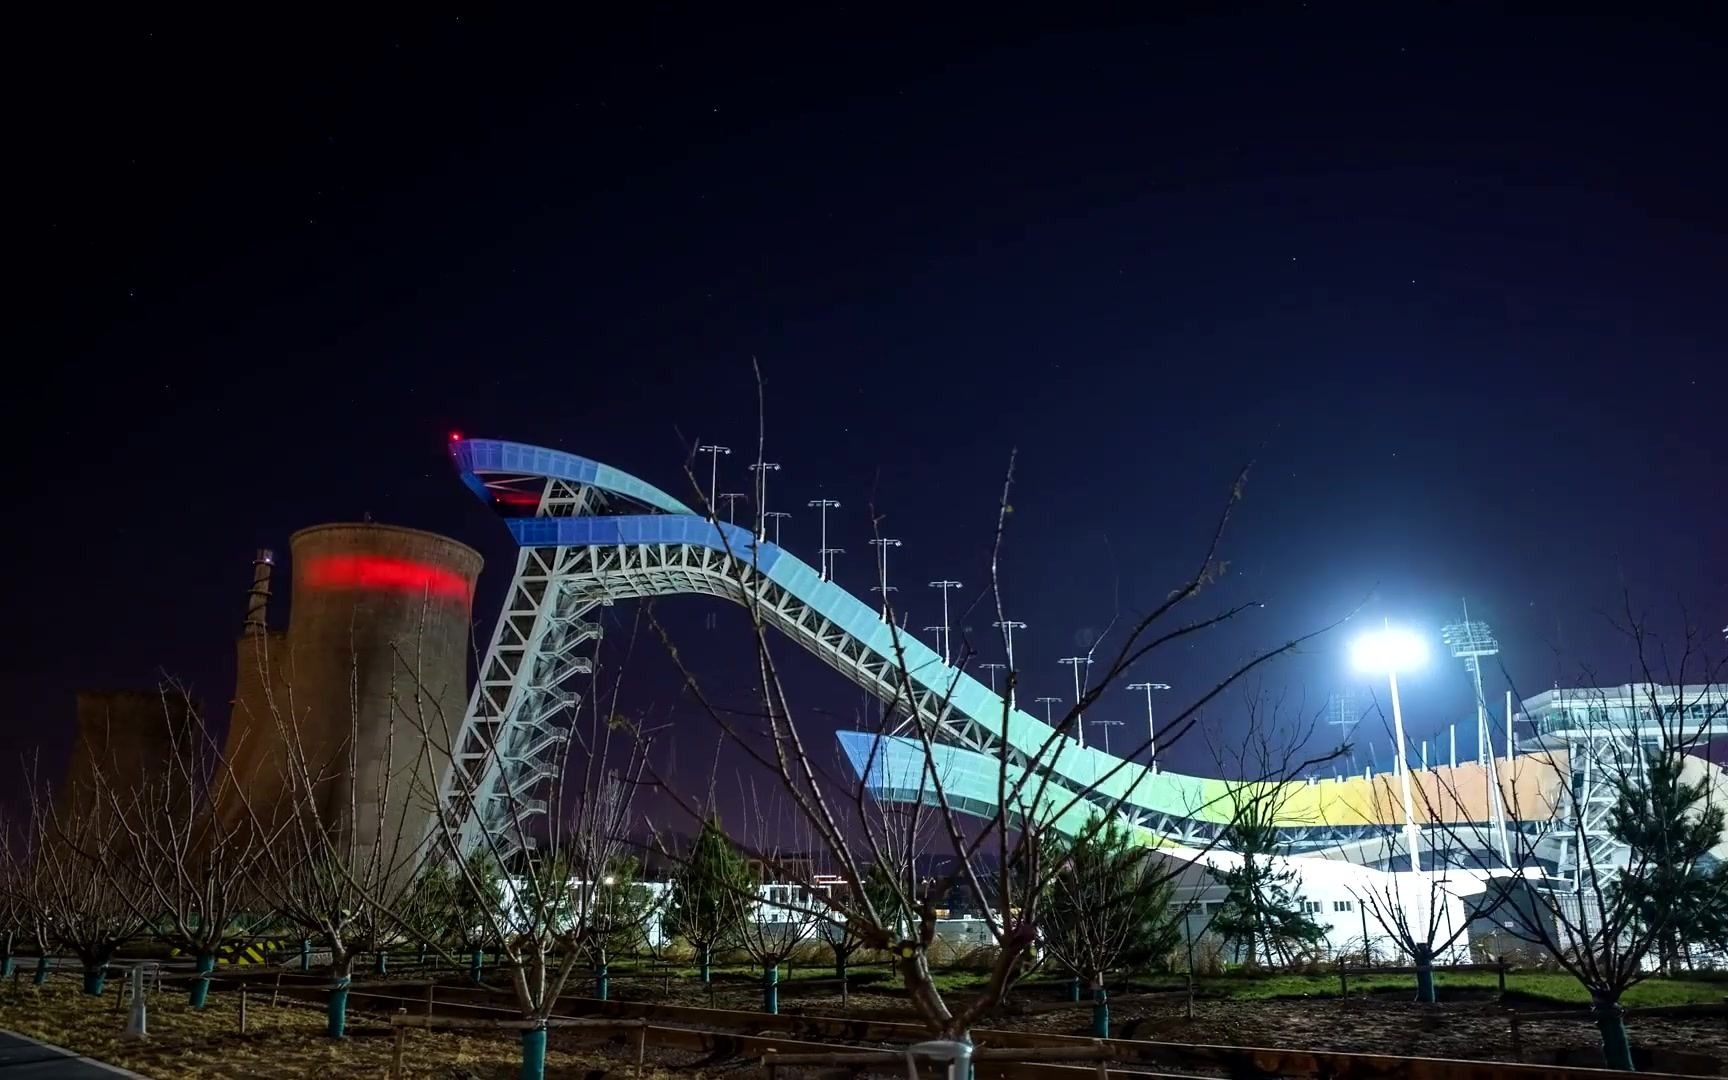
column 455, row 436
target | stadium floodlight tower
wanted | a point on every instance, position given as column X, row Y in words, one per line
column 1470, row 641
column 1387, row 652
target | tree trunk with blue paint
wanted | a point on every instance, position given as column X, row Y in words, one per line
column 381, row 963
column 603, row 981
column 1616, row 1044
column 95, row 979
column 305, row 954
column 41, row 970
column 337, row 1010
column 706, row 964
column 1424, row 957
column 476, row 964
column 533, row 1054
column 200, row 992
column 771, row 989
column 1074, row 988
column 1101, row 1012
column 6, row 959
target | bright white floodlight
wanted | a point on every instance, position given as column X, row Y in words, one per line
column 1388, row 651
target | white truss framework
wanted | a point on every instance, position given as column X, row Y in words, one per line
column 519, row 716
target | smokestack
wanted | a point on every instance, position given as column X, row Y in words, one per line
column 258, row 600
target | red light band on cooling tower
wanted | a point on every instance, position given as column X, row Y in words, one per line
column 384, row 574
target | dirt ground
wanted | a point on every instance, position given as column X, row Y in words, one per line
column 1467, row 1025
column 286, row 1042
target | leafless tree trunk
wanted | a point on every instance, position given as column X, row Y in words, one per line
column 190, row 881
column 567, row 902
column 346, row 883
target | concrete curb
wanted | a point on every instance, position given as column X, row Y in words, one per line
column 72, row 1056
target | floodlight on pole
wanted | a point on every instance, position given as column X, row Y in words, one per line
column 713, row 450
column 762, row 469
column 828, row 554
column 882, row 544
column 1387, row 652
column 1008, row 626
column 731, row 499
column 947, row 631
column 993, row 669
column 1470, row 641
column 1151, row 732
column 776, row 516
column 1106, row 725
column 1077, row 662
column 1047, row 702
column 825, row 505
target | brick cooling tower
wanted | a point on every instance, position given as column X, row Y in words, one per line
column 378, row 636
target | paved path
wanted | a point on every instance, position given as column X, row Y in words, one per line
column 23, row 1058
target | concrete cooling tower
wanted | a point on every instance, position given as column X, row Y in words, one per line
column 126, row 738
column 377, row 641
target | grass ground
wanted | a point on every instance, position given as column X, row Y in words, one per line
column 282, row 1042
column 1556, row 987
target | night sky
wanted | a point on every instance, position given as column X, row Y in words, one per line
column 1454, row 282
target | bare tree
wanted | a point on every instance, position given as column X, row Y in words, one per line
column 21, row 884
column 1423, row 912
column 340, row 877
column 774, row 914
column 190, row 880
column 80, row 910
column 563, row 908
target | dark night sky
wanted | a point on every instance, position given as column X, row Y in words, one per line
column 1455, row 281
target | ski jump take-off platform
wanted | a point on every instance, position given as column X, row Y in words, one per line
column 591, row 535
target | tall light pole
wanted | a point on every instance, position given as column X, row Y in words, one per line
column 993, row 669
column 1151, row 732
column 776, row 516
column 825, row 505
column 713, row 450
column 882, row 544
column 1387, row 652
column 762, row 469
column 947, row 631
column 1008, row 626
column 1047, row 702
column 1107, row 725
column 731, row 499
column 1077, row 662
column 828, row 554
